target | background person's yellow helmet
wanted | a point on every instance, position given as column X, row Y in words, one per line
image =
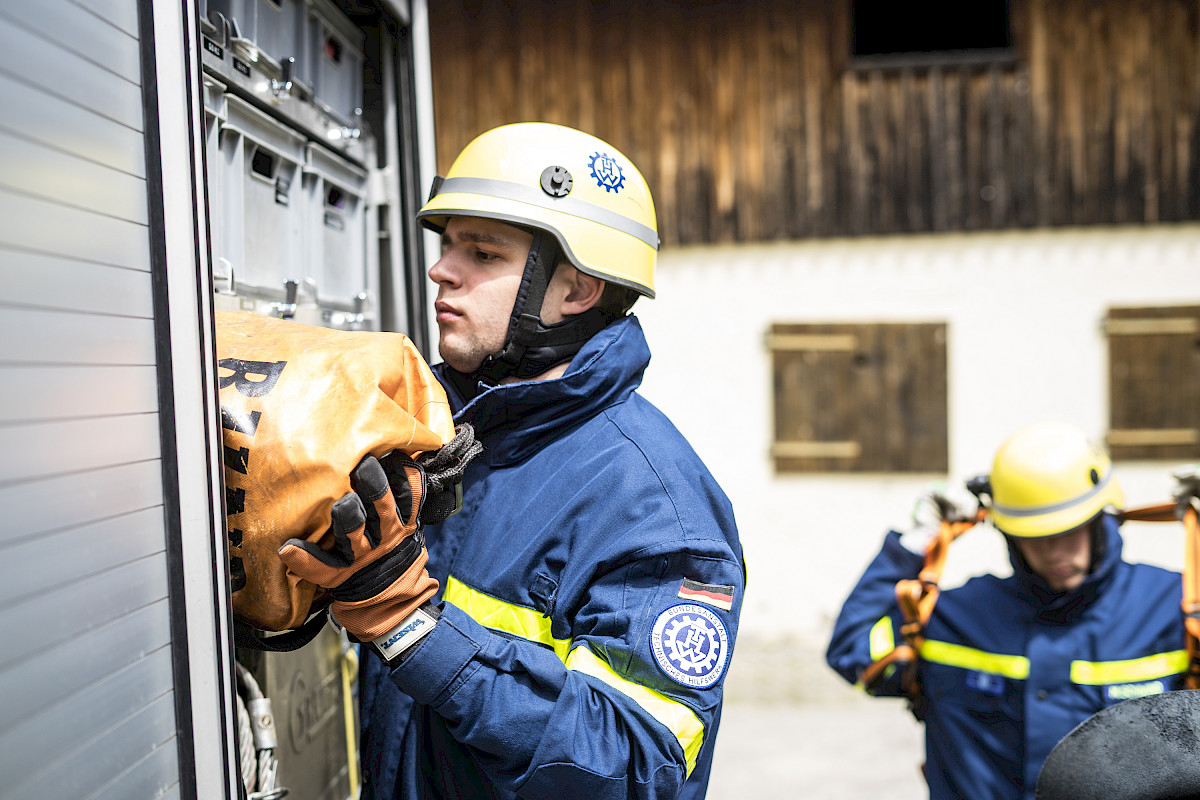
column 565, row 182
column 1049, row 478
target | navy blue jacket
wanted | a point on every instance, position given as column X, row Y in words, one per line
column 591, row 588
column 1010, row 667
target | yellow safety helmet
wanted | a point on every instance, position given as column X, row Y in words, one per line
column 1050, row 478
column 565, row 182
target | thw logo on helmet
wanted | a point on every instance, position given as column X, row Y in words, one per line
column 607, row 172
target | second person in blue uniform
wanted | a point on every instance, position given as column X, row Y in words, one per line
column 1011, row 665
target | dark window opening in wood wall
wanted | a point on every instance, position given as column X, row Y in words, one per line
column 927, row 27
column 1154, row 382
column 859, row 397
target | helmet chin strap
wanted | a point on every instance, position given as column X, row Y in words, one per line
column 531, row 347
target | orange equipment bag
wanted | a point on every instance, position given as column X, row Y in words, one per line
column 300, row 407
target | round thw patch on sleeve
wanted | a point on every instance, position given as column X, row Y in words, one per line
column 690, row 644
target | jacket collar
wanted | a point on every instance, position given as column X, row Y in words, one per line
column 515, row 420
column 1064, row 606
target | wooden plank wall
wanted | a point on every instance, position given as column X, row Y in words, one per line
column 752, row 123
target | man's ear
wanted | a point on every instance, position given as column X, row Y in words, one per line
column 582, row 292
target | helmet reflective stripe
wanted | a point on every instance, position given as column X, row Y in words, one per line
column 566, row 205
column 1015, row 511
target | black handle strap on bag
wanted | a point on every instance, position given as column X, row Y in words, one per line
column 444, row 470
column 251, row 638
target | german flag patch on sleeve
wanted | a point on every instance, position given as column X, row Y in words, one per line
column 712, row 594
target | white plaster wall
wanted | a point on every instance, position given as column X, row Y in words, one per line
column 1023, row 310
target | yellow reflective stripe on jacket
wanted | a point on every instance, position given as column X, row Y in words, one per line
column 882, row 638
column 531, row 625
column 1083, row 673
column 1147, row 668
column 956, row 655
column 678, row 718
column 499, row 615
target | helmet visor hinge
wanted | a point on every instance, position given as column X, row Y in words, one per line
column 438, row 180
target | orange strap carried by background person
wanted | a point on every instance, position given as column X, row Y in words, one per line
column 1191, row 595
column 916, row 598
column 1169, row 512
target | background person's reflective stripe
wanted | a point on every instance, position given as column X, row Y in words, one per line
column 678, row 718
column 1147, row 668
column 882, row 638
column 528, row 624
column 956, row 655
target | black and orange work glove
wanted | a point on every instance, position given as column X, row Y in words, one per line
column 375, row 571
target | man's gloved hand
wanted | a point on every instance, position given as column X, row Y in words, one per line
column 376, row 570
column 1187, row 487
column 940, row 504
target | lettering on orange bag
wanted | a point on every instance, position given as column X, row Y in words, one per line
column 300, row 407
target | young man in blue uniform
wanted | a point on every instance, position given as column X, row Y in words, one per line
column 570, row 632
column 1009, row 666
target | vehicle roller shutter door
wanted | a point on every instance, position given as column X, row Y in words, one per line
column 87, row 689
